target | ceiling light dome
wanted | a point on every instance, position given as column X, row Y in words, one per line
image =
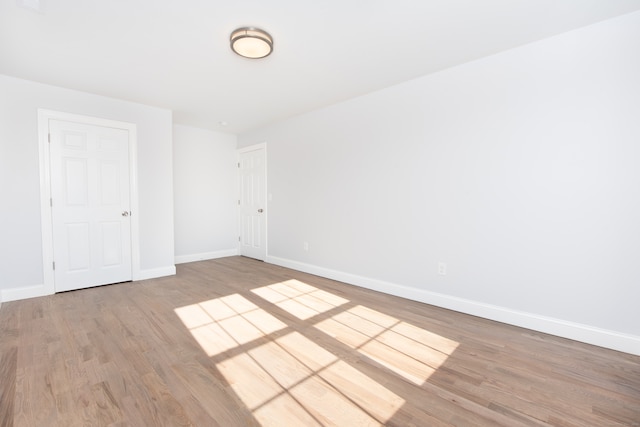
column 251, row 42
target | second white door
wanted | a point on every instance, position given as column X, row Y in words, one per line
column 253, row 231
column 90, row 205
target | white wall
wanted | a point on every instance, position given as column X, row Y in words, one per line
column 520, row 171
column 205, row 194
column 20, row 230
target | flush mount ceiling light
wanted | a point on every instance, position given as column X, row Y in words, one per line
column 251, row 42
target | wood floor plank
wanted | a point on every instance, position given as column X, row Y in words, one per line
column 8, row 370
column 237, row 342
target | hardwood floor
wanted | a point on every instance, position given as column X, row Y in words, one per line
column 236, row 342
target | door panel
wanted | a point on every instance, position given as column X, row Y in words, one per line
column 252, row 204
column 109, row 183
column 90, row 194
column 76, row 181
column 111, row 243
column 78, row 240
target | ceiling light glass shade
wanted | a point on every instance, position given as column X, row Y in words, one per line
column 251, row 42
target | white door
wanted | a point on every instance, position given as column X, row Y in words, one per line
column 90, row 205
column 253, row 230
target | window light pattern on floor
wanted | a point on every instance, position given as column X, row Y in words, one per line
column 275, row 369
column 302, row 300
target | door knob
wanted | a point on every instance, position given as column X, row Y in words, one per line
column 125, row 213
column 260, row 210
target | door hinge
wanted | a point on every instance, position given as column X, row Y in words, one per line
column 49, row 138
column 238, row 202
column 238, row 165
column 239, row 240
column 54, row 265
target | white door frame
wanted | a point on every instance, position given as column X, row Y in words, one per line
column 45, row 188
column 240, row 151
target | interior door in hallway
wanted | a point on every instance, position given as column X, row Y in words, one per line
column 90, row 205
column 252, row 203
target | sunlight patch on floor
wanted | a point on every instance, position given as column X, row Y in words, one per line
column 285, row 378
column 221, row 324
column 409, row 351
column 294, row 381
column 300, row 299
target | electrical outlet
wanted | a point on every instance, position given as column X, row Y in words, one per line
column 305, row 246
column 442, row 269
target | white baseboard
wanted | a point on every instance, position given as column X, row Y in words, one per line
column 16, row 294
column 155, row 272
column 205, row 255
column 576, row 331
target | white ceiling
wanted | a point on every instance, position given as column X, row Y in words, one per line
column 175, row 53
